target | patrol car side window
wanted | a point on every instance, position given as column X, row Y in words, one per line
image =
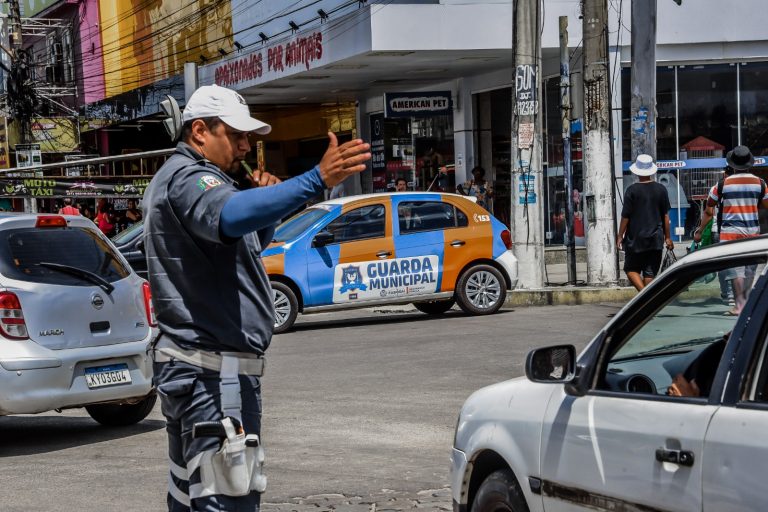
column 417, row 216
column 359, row 224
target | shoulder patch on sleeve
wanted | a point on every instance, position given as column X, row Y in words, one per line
column 207, row 182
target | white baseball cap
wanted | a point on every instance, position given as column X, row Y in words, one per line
column 227, row 105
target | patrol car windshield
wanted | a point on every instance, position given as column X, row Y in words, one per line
column 298, row 224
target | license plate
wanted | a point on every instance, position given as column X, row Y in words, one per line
column 113, row 375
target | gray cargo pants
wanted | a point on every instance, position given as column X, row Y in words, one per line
column 189, row 394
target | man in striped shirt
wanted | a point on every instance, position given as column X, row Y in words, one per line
column 738, row 197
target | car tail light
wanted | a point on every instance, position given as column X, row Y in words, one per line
column 150, row 309
column 51, row 221
column 506, row 237
column 12, row 323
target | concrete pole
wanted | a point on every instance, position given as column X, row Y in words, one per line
column 598, row 173
column 565, row 115
column 527, row 209
column 643, row 89
column 190, row 79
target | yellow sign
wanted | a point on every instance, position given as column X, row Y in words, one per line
column 144, row 42
column 54, row 134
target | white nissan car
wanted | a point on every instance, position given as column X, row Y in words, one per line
column 75, row 322
column 609, row 430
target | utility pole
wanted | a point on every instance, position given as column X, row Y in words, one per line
column 527, row 212
column 565, row 114
column 19, row 69
column 643, row 89
column 598, row 178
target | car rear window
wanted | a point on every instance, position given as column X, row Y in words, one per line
column 22, row 251
column 418, row 216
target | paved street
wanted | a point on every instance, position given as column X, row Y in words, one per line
column 360, row 411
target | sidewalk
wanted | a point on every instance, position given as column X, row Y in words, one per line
column 556, row 292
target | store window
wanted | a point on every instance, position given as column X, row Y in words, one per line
column 707, row 96
column 493, row 143
column 753, row 78
column 414, row 149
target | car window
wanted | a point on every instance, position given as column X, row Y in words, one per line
column 23, row 250
column 359, row 224
column 297, row 224
column 683, row 339
column 128, row 235
column 416, row 216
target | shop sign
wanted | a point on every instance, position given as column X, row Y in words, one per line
column 28, row 155
column 76, row 172
column 378, row 155
column 525, row 90
column 56, row 135
column 53, row 187
column 418, row 104
column 525, row 135
column 301, row 52
column 527, row 189
column 5, row 159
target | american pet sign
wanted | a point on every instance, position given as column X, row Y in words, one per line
column 372, row 280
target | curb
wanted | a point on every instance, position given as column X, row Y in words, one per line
column 568, row 296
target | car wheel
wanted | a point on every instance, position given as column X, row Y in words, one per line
column 286, row 307
column 434, row 307
column 499, row 493
column 122, row 415
column 481, row 290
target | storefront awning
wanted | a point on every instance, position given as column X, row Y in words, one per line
column 377, row 48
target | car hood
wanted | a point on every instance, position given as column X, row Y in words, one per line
column 515, row 407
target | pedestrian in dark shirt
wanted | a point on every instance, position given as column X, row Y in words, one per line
column 644, row 226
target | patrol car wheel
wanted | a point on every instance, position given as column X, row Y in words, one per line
column 286, row 307
column 481, row 290
column 122, row 415
column 499, row 493
column 434, row 307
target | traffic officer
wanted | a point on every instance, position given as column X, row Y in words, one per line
column 213, row 302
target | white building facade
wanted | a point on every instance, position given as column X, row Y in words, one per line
column 712, row 85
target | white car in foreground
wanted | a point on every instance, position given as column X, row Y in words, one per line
column 601, row 432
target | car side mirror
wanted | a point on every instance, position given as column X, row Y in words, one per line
column 322, row 238
column 551, row 364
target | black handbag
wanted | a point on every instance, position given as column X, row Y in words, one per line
column 669, row 260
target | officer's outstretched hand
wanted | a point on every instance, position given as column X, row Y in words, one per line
column 339, row 162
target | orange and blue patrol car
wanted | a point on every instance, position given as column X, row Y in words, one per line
column 430, row 249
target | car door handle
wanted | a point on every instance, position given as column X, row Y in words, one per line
column 383, row 254
column 682, row 457
column 458, row 243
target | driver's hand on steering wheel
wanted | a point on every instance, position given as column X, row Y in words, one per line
column 681, row 387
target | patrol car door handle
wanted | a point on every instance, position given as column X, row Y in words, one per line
column 458, row 243
column 384, row 254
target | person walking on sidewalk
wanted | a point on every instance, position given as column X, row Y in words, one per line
column 644, row 229
column 738, row 198
column 203, row 238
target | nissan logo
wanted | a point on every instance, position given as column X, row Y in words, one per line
column 97, row 301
